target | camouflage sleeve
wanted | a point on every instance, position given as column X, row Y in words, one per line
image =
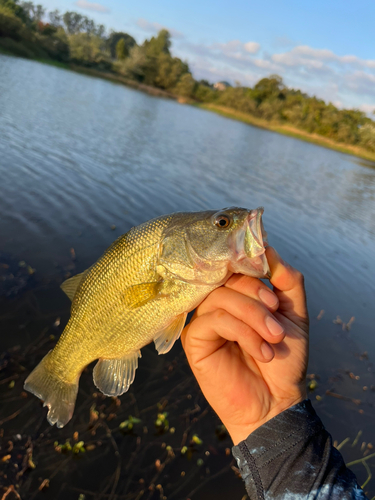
column 291, row 457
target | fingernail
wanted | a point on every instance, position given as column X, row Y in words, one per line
column 267, row 351
column 274, row 326
column 267, row 297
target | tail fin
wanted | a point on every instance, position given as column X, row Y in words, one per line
column 59, row 396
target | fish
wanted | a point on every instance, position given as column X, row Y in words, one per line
column 141, row 290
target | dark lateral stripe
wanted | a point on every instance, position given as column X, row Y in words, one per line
column 253, row 469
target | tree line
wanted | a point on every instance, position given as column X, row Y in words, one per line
column 28, row 30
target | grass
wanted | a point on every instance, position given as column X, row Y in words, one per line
column 289, row 131
column 6, row 52
column 52, row 62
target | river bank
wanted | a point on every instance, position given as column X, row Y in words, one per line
column 116, row 78
column 288, row 130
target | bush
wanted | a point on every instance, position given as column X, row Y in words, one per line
column 16, row 48
column 56, row 45
column 185, row 86
column 367, row 136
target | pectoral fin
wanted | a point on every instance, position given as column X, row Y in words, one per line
column 70, row 285
column 114, row 376
column 165, row 339
column 138, row 295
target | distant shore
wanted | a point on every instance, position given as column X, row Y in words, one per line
column 288, row 130
column 221, row 110
column 231, row 113
column 125, row 81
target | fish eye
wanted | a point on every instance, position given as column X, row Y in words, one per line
column 222, row 221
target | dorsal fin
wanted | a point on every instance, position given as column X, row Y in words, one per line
column 70, row 285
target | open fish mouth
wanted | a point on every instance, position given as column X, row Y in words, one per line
column 250, row 243
column 256, row 242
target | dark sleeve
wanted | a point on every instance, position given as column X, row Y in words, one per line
column 291, row 457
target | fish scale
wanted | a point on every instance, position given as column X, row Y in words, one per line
column 140, row 290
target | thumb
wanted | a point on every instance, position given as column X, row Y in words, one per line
column 288, row 284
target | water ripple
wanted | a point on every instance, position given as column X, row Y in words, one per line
column 79, row 154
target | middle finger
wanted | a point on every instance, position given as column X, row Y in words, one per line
column 248, row 309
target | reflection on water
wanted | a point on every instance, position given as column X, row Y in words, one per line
column 79, row 155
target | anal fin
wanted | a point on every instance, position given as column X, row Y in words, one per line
column 114, row 376
column 165, row 339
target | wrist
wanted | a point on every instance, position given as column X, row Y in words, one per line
column 239, row 432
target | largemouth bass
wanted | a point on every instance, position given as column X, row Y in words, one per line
column 140, row 291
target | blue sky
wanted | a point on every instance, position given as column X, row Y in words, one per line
column 325, row 48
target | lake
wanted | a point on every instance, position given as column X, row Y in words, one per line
column 82, row 160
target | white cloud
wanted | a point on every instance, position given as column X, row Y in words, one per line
column 236, row 47
column 310, row 57
column 361, row 82
column 156, row 27
column 84, row 4
column 345, row 80
column 367, row 108
column 252, row 47
column 230, row 55
column 337, row 103
column 211, row 72
column 231, row 46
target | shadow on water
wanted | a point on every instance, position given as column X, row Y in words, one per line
column 81, row 162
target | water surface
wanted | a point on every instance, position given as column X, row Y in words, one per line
column 79, row 155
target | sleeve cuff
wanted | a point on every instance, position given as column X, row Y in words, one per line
column 274, row 438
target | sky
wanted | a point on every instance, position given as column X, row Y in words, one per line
column 325, row 48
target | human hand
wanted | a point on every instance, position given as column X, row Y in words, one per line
column 227, row 343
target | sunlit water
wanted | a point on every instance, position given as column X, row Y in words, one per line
column 78, row 155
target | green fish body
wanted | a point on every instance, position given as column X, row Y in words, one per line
column 140, row 291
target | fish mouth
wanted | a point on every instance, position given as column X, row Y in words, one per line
column 250, row 243
column 257, row 244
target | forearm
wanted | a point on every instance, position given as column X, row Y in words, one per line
column 291, row 457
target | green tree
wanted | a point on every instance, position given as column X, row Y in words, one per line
column 113, row 40
column 367, row 136
column 186, row 85
column 34, row 12
column 204, row 93
column 88, row 50
column 269, row 88
column 134, row 66
column 10, row 24
column 159, row 44
column 73, row 22
column 55, row 18
column 169, row 71
column 121, row 50
column 16, row 9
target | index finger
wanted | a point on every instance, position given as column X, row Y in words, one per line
column 288, row 285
